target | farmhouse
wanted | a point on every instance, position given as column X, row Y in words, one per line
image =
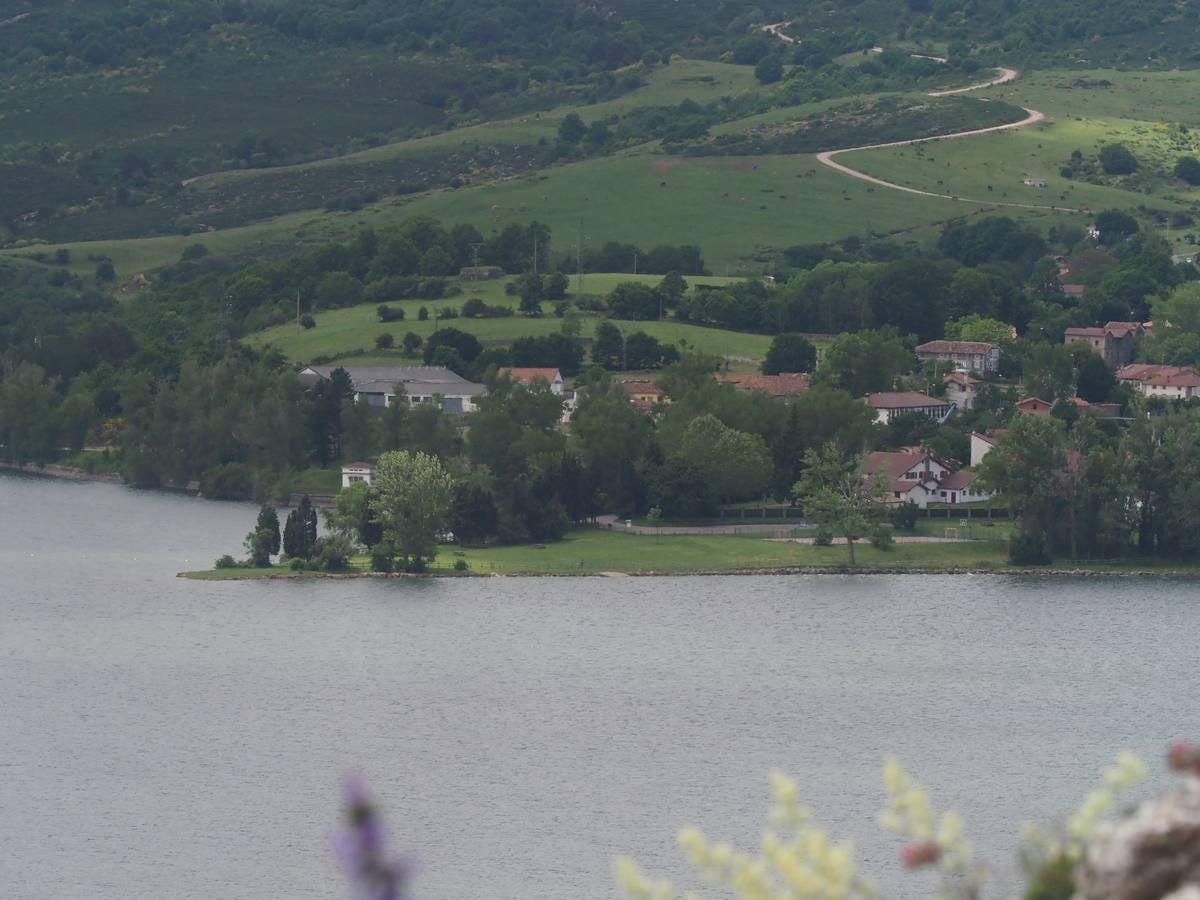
column 889, row 404
column 780, row 387
column 1113, row 343
column 529, row 376
column 480, row 273
column 380, row 385
column 983, row 444
column 916, row 476
column 967, row 356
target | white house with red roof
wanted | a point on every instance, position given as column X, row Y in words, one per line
column 919, row 477
column 529, row 375
column 1167, row 382
column 889, row 404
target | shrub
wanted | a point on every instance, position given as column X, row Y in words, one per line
column 1117, row 159
column 232, row 481
column 194, row 251
column 881, row 537
column 904, row 516
column 384, row 341
column 823, row 537
column 298, row 564
column 381, row 558
column 423, row 314
column 389, row 314
column 226, row 562
column 1188, row 168
column 460, row 565
column 307, row 321
column 1028, row 550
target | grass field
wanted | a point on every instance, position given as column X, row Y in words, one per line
column 740, row 209
column 1138, row 109
column 342, row 331
column 590, row 551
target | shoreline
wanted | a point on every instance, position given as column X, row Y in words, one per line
column 1055, row 572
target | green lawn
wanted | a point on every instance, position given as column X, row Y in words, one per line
column 343, row 331
column 591, row 551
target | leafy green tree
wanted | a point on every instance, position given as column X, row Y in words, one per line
column 412, row 343
column 671, row 288
column 258, row 544
column 633, row 300
column 1115, row 227
column 769, row 69
column 26, row 426
column 411, row 500
column 1117, row 159
column 608, row 346
column 352, row 515
column 1188, row 168
column 736, row 465
column 864, row 362
column 466, row 345
column 790, row 353
column 268, row 520
column 571, row 130
column 1094, row 381
column 338, row 289
column 474, row 516
column 531, row 289
column 836, row 495
column 1023, row 469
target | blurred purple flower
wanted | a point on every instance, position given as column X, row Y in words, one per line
column 359, row 849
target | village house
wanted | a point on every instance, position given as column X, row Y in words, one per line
column 480, row 273
column 889, row 404
column 983, row 444
column 961, row 389
column 780, row 387
column 1113, row 343
column 920, row 478
column 967, row 356
column 529, row 375
column 421, row 384
column 643, row 394
column 1034, row 406
column 1167, row 382
column 353, row 473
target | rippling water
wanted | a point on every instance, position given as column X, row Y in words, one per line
column 162, row 738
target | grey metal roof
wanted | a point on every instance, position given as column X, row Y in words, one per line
column 416, row 379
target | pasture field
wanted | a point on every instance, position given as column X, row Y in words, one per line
column 1141, row 110
column 698, row 80
column 740, row 210
column 343, row 331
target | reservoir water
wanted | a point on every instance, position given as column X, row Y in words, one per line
column 164, row 738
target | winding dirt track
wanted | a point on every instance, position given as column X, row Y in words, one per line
column 826, row 158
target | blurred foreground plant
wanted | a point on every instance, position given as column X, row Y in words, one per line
column 803, row 864
column 359, row 847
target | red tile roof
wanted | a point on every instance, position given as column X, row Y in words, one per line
column 641, row 387
column 891, row 463
column 1146, row 371
column 1085, row 332
column 528, row 375
column 785, row 384
column 957, row 481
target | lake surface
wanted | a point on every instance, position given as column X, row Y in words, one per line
column 163, row 738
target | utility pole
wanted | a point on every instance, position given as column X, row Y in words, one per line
column 635, row 262
column 579, row 259
column 475, row 255
column 297, row 306
column 535, row 259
